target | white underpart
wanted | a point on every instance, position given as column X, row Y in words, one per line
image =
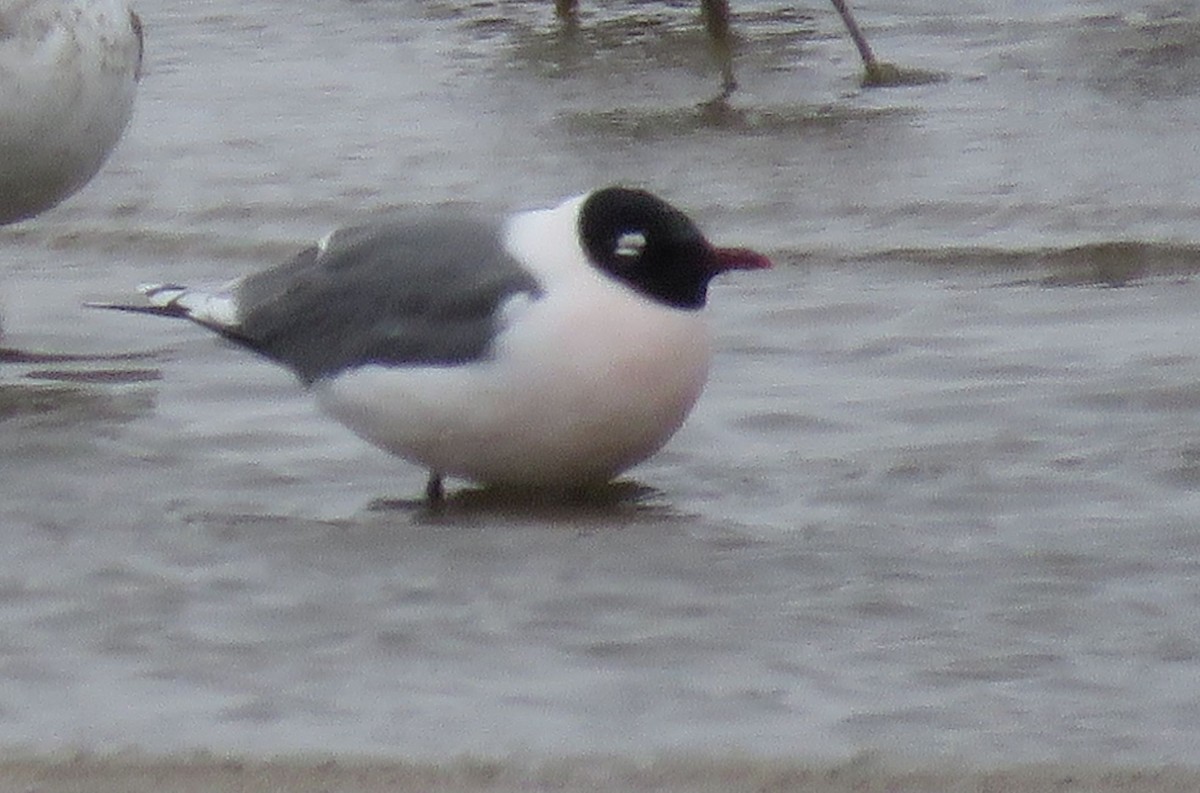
column 68, row 74
column 586, row 380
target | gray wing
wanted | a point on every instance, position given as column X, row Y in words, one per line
column 398, row 292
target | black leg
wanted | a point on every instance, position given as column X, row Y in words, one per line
column 566, row 9
column 434, row 493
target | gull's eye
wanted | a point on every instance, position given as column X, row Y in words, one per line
column 630, row 245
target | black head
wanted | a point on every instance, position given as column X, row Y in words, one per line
column 651, row 246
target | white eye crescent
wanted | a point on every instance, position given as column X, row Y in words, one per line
column 631, row 244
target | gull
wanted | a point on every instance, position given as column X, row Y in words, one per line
column 551, row 348
column 68, row 75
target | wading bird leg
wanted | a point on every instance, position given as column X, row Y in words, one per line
column 435, row 494
column 567, row 10
column 716, row 22
column 860, row 41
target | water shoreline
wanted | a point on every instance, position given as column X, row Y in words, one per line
column 136, row 772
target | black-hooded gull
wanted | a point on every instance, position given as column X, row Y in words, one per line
column 554, row 348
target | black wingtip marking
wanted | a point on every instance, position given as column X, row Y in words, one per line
column 170, row 310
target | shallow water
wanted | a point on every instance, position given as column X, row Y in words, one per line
column 940, row 498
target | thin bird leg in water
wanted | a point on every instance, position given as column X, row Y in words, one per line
column 716, row 22
column 567, row 11
column 860, row 41
column 435, row 494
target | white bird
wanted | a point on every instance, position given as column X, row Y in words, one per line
column 555, row 348
column 68, row 75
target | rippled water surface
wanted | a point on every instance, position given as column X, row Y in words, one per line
column 940, row 499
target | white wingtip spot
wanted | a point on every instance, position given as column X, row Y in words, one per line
column 162, row 294
column 216, row 309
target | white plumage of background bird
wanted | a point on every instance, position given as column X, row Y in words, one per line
column 68, row 76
